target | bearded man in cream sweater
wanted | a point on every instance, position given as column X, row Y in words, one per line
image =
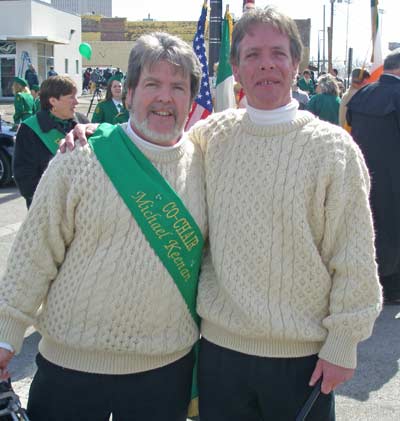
column 290, row 285
column 106, row 263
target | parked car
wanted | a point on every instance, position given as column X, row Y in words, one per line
column 7, row 141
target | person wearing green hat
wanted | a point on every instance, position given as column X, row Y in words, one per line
column 35, row 91
column 106, row 111
column 24, row 103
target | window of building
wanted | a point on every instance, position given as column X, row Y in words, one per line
column 8, row 51
column 8, row 47
column 77, row 67
column 66, row 66
column 45, row 59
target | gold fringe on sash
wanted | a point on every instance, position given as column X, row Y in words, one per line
column 193, row 409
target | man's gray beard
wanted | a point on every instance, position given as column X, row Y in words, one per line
column 143, row 128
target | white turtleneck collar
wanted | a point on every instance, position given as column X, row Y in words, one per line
column 151, row 146
column 279, row 115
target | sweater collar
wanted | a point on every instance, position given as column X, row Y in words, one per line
column 156, row 152
column 278, row 115
column 301, row 118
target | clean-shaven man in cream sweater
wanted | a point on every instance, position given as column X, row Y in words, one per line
column 106, row 263
column 290, row 286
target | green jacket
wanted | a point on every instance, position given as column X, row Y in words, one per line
column 325, row 106
column 24, row 105
column 105, row 112
column 37, row 105
column 306, row 86
column 121, row 117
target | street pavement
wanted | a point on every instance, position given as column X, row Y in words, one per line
column 372, row 395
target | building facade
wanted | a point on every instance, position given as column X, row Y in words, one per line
column 111, row 39
column 85, row 7
column 44, row 37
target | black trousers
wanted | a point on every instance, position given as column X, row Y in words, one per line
column 59, row 394
column 391, row 287
column 240, row 387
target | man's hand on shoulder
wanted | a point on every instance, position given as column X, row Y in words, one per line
column 332, row 375
column 80, row 133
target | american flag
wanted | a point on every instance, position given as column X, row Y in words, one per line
column 202, row 105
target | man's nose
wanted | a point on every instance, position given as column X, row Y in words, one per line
column 164, row 94
column 266, row 62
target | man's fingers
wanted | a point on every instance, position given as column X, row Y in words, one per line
column 327, row 386
column 5, row 358
column 333, row 375
column 62, row 146
column 317, row 373
column 4, row 374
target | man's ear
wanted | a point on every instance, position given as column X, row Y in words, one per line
column 295, row 69
column 236, row 74
column 129, row 98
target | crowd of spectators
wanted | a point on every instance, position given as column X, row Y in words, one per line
column 99, row 78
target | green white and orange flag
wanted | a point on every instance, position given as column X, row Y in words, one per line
column 224, row 95
column 376, row 59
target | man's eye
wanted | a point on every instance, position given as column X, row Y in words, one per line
column 250, row 55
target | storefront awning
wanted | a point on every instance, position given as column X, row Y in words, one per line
column 38, row 38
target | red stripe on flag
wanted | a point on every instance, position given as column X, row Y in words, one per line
column 196, row 113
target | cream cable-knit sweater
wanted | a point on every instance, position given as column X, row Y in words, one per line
column 292, row 269
column 108, row 303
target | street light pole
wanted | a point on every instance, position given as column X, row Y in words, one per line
column 323, row 69
column 330, row 38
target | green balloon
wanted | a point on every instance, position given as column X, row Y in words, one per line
column 85, row 50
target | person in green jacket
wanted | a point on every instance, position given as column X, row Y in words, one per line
column 326, row 103
column 24, row 103
column 107, row 110
column 35, row 91
column 123, row 115
column 306, row 84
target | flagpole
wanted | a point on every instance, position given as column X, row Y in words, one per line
column 215, row 34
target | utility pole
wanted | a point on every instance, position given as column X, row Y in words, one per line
column 215, row 34
column 330, row 37
column 323, row 68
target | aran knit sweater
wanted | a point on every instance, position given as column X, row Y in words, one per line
column 291, row 270
column 82, row 272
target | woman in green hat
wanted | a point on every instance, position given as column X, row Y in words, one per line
column 106, row 111
column 24, row 103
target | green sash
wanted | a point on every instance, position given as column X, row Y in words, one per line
column 51, row 138
column 161, row 215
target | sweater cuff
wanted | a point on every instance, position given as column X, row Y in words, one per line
column 340, row 348
column 12, row 332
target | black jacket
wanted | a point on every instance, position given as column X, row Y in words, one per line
column 31, row 156
column 32, row 78
column 374, row 116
